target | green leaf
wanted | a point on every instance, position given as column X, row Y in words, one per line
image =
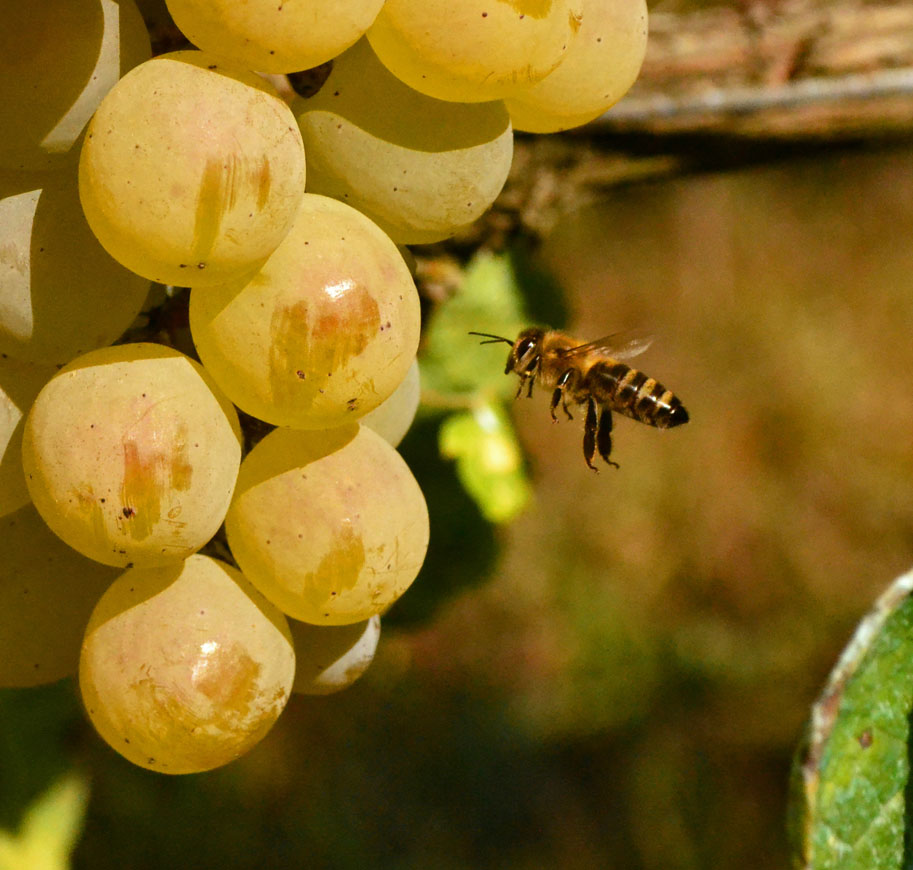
column 848, row 801
column 49, row 829
column 489, row 460
column 489, row 300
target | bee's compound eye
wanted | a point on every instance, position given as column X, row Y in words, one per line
column 525, row 347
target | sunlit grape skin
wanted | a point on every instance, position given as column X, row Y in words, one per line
column 58, row 58
column 47, row 592
column 330, row 526
column 600, row 66
column 421, row 168
column 185, row 668
column 130, row 455
column 323, row 333
column 192, row 170
column 271, row 36
column 472, row 50
column 392, row 419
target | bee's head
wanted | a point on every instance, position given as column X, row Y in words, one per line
column 525, row 353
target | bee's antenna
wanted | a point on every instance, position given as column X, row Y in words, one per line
column 492, row 339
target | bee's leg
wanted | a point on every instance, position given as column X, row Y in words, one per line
column 604, row 436
column 560, row 394
column 556, row 397
column 589, row 434
column 532, row 373
column 520, row 387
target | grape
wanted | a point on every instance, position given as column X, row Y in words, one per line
column 330, row 525
column 47, row 592
column 19, row 384
column 273, row 36
column 601, row 65
column 392, row 419
column 192, row 170
column 323, row 333
column 61, row 294
column 329, row 658
column 421, row 168
column 472, row 50
column 130, row 456
column 185, row 667
column 58, row 58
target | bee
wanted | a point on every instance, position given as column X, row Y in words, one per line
column 593, row 375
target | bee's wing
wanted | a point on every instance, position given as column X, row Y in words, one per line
column 619, row 345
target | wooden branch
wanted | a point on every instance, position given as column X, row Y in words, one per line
column 776, row 68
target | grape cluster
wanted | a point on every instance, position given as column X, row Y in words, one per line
column 120, row 462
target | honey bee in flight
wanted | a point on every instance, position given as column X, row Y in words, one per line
column 594, row 375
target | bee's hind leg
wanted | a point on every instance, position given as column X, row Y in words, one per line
column 604, row 436
column 589, row 434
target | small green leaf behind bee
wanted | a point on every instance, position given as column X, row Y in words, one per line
column 489, row 460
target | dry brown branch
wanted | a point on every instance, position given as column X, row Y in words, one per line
column 776, row 68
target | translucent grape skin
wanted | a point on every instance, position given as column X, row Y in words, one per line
column 58, row 58
column 192, row 170
column 20, row 383
column 323, row 333
column 274, row 37
column 472, row 50
column 131, row 455
column 47, row 592
column 330, row 525
column 600, row 66
column 61, row 293
column 185, row 668
column 392, row 419
column 329, row 658
column 420, row 168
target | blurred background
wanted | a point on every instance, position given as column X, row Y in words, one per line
column 617, row 678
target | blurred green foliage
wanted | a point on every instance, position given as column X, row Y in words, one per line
column 49, row 828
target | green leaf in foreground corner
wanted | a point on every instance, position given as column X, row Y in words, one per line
column 489, row 300
column 49, row 829
column 489, row 460
column 850, row 779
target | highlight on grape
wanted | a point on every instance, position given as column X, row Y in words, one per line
column 122, row 456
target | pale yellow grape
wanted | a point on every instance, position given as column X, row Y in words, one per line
column 473, row 50
column 61, row 294
column 329, row 658
column 331, row 526
column 601, row 65
column 420, row 168
column 323, row 333
column 192, row 170
column 58, row 58
column 131, row 456
column 20, row 382
column 186, row 667
column 392, row 419
column 47, row 592
column 271, row 35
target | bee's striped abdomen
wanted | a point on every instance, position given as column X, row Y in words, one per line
column 630, row 392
